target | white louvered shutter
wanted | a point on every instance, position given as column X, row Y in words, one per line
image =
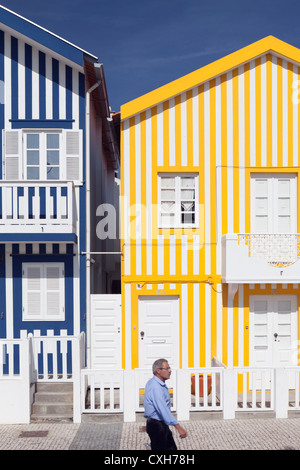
column 54, row 287
column 73, row 149
column 12, row 150
column 43, row 292
column 32, row 292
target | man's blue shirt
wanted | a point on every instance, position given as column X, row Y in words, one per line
column 157, row 402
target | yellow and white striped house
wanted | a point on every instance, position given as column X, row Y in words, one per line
column 210, row 199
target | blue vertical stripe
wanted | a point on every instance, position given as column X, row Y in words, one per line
column 1, row 95
column 14, row 78
column 82, row 209
column 28, row 81
column 55, row 84
column 42, row 84
column 2, row 293
column 69, row 87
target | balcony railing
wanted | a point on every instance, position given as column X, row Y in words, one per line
column 32, row 206
column 253, row 258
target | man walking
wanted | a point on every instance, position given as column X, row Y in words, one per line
column 157, row 406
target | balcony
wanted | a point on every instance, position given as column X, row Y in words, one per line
column 37, row 207
column 260, row 258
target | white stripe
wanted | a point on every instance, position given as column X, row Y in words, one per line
column 219, row 322
column 218, row 171
column 274, row 111
column 35, row 84
column 49, row 105
column 196, row 248
column 252, row 115
column 172, row 159
column 9, row 291
column 263, row 111
column 207, row 325
column 183, row 130
column 149, row 190
column 184, row 253
column 284, row 113
column 172, row 254
column 7, row 80
column 126, row 201
column 138, row 194
column 207, row 175
column 160, row 254
column 21, row 79
column 62, row 90
column 185, row 339
column 160, row 135
column 196, row 306
column 295, row 120
column 195, row 127
column 75, row 99
column 128, row 326
column 241, row 79
column 230, row 152
column 241, row 325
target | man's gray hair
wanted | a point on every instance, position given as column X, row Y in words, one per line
column 158, row 365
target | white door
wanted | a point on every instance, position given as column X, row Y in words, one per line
column 158, row 330
column 273, row 331
column 106, row 331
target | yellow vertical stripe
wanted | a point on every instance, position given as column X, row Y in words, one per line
column 224, row 151
column 178, row 131
column 189, row 114
column 247, row 144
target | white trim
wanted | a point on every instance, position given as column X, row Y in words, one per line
column 49, row 32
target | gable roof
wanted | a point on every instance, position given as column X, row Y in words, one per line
column 263, row 46
column 43, row 36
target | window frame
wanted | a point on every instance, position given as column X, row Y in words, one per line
column 43, row 149
column 177, row 214
column 43, row 315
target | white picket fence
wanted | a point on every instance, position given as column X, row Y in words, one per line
column 61, row 358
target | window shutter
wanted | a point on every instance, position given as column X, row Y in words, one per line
column 32, row 292
column 54, row 291
column 73, row 147
column 13, row 152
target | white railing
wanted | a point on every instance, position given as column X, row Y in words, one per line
column 255, row 389
column 102, row 391
column 38, row 358
column 294, row 392
column 30, row 205
column 278, row 249
column 206, row 389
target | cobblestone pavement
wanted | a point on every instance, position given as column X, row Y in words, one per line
column 239, row 434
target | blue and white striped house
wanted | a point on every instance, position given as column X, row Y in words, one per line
column 58, row 143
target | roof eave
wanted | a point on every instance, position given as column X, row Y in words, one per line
column 214, row 69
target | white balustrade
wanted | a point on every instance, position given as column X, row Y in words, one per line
column 36, row 205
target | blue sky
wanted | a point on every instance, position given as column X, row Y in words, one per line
column 144, row 44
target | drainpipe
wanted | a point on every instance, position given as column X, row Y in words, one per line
column 88, row 219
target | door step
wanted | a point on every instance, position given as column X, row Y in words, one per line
column 52, row 402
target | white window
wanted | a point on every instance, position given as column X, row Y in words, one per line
column 273, row 203
column 178, row 196
column 42, row 155
column 45, row 155
column 43, row 291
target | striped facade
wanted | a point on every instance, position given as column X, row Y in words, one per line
column 237, row 116
column 45, row 92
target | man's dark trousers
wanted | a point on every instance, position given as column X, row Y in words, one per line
column 160, row 435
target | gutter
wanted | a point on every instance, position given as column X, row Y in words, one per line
column 88, row 214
